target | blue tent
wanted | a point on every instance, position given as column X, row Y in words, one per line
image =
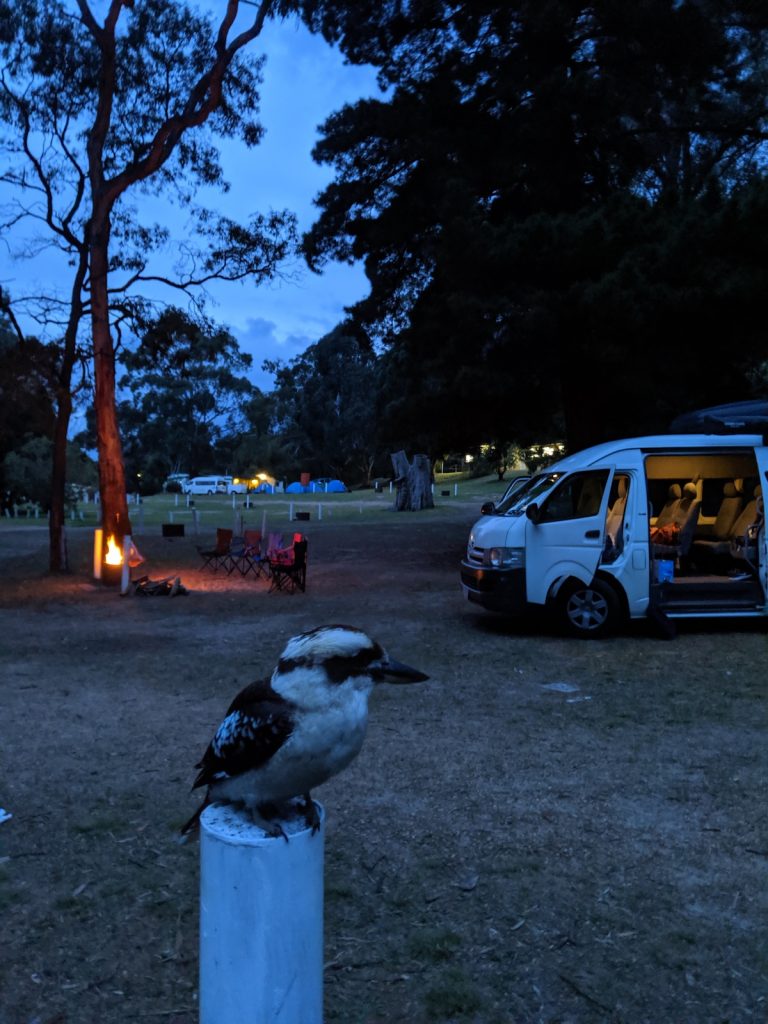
column 265, row 488
column 295, row 488
column 336, row 487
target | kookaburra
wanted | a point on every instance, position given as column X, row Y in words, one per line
column 283, row 736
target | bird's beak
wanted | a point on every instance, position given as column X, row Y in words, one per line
column 395, row 672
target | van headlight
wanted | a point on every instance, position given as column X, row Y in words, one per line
column 506, row 558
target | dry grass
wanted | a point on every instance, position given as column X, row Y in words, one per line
column 500, row 853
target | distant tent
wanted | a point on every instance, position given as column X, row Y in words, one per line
column 736, row 418
column 295, row 488
column 265, row 488
column 336, row 487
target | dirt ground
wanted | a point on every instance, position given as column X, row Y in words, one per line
column 548, row 830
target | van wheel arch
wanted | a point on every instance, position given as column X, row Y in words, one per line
column 588, row 610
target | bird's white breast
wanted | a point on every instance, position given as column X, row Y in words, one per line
column 328, row 733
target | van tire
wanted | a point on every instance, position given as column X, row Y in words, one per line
column 588, row 610
column 210, row 492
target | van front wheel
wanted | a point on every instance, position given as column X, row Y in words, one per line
column 588, row 609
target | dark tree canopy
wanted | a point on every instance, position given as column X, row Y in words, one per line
column 188, row 385
column 326, row 407
column 550, row 200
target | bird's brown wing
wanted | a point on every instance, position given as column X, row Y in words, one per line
column 256, row 725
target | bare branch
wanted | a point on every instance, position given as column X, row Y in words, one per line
column 203, row 99
column 7, row 309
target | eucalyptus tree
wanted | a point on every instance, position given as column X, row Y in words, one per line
column 104, row 106
column 189, row 392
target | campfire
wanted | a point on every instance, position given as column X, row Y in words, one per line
column 108, row 559
column 114, row 556
column 112, row 570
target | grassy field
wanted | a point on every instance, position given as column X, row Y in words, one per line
column 203, row 513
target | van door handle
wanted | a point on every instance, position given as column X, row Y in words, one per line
column 592, row 534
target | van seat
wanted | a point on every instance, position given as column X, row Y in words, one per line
column 686, row 517
column 703, row 550
column 671, row 506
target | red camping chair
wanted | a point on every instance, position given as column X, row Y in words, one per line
column 288, row 574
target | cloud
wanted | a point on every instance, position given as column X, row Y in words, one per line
column 263, row 339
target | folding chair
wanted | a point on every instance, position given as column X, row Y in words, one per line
column 249, row 557
column 221, row 554
column 288, row 576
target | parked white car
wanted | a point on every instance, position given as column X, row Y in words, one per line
column 206, row 485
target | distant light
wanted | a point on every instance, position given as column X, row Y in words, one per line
column 469, row 458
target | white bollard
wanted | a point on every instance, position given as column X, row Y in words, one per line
column 264, row 523
column 261, row 921
column 455, row 490
column 290, row 512
column 234, row 501
column 176, row 503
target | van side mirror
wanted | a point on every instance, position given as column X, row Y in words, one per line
column 533, row 512
column 487, row 508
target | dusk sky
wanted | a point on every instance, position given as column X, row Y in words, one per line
column 305, row 80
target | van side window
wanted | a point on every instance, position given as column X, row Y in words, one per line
column 579, row 496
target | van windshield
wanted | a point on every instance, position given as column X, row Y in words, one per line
column 532, row 490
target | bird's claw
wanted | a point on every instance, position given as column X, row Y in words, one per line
column 263, row 817
column 311, row 817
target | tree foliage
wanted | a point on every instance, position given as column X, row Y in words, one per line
column 537, row 200
column 326, row 405
column 189, row 392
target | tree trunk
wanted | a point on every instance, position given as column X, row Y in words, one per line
column 114, row 503
column 413, row 481
column 57, row 556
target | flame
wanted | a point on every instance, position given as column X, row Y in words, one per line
column 114, row 555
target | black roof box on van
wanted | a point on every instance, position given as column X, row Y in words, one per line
column 736, row 418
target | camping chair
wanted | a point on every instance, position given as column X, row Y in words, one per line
column 248, row 557
column 221, row 554
column 288, row 575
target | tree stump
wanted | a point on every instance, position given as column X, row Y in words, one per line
column 413, row 481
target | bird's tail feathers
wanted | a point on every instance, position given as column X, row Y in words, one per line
column 193, row 825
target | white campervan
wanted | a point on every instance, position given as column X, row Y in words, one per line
column 671, row 526
column 206, row 485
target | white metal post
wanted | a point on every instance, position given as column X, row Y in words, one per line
column 261, row 921
column 125, row 574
